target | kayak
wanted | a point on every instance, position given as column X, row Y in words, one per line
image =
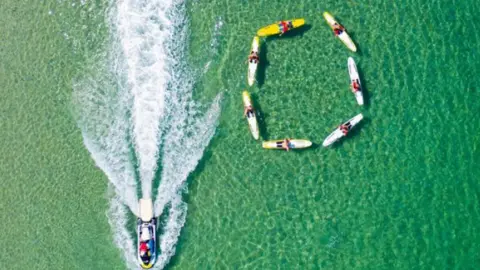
column 338, row 133
column 251, row 117
column 276, row 28
column 252, row 65
column 352, row 71
column 344, row 37
column 294, row 144
column 146, row 235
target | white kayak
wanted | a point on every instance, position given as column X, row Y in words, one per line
column 344, row 37
column 293, row 144
column 251, row 117
column 352, row 71
column 338, row 133
column 253, row 64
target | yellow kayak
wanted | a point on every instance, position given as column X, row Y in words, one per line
column 294, row 144
column 344, row 37
column 276, row 28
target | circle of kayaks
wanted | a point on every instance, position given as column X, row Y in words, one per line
column 280, row 28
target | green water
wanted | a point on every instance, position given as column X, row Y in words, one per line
column 52, row 198
column 400, row 192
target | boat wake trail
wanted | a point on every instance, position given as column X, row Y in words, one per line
column 118, row 219
column 186, row 134
column 142, row 29
column 137, row 116
column 101, row 102
column 101, row 108
column 183, row 148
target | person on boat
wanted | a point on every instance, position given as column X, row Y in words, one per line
column 285, row 144
column 355, row 86
column 253, row 57
column 143, row 248
column 145, row 239
column 248, row 110
column 290, row 25
column 150, row 245
column 285, row 26
column 345, row 128
column 338, row 29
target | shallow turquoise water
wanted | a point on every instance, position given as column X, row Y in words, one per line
column 52, row 197
column 401, row 191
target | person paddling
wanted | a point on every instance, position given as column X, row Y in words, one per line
column 248, row 110
column 286, row 144
column 355, row 86
column 338, row 29
column 345, row 128
column 285, row 26
column 253, row 57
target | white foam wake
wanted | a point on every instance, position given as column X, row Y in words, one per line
column 183, row 148
column 101, row 109
column 172, row 228
column 143, row 28
column 186, row 134
column 214, row 43
column 118, row 219
column 140, row 102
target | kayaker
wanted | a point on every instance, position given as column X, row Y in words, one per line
column 345, row 128
column 287, row 26
column 248, row 110
column 286, row 144
column 253, row 57
column 284, row 26
column 338, row 29
column 355, row 86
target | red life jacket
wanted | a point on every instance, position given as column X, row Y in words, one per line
column 356, row 86
column 143, row 246
column 285, row 26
